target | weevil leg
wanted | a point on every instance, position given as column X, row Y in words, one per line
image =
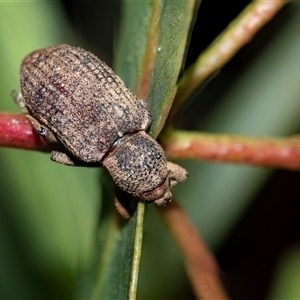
column 20, row 101
column 121, row 209
column 164, row 200
column 61, row 158
column 177, row 174
column 124, row 203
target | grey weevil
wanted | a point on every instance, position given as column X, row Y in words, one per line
column 74, row 99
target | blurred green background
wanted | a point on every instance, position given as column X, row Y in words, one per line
column 49, row 213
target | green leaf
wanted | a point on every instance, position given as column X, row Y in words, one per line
column 173, row 32
column 133, row 37
column 162, row 26
column 151, row 51
column 112, row 274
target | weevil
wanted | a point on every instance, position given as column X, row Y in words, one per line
column 74, row 99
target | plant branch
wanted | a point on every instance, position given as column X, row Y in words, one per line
column 200, row 264
column 238, row 33
column 17, row 132
column 264, row 151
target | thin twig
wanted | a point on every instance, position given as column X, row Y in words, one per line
column 238, row 33
column 200, row 264
column 267, row 152
column 17, row 132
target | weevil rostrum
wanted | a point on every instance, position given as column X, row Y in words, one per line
column 73, row 98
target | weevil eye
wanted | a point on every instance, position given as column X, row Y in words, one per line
column 42, row 131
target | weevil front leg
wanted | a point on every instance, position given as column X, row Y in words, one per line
column 20, row 101
column 163, row 201
column 124, row 203
column 62, row 158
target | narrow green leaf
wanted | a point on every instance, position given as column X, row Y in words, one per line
column 173, row 31
column 150, row 55
column 116, row 244
column 117, row 264
column 134, row 30
column 152, row 41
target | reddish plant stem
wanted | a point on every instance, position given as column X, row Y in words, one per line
column 17, row 132
column 238, row 33
column 266, row 152
column 200, row 264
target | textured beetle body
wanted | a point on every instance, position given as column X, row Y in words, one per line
column 72, row 97
column 81, row 100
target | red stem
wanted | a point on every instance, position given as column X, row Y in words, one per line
column 17, row 132
column 200, row 264
column 266, row 152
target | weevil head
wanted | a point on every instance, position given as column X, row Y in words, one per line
column 161, row 195
column 138, row 166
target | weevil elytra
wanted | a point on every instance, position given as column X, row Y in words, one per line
column 73, row 98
